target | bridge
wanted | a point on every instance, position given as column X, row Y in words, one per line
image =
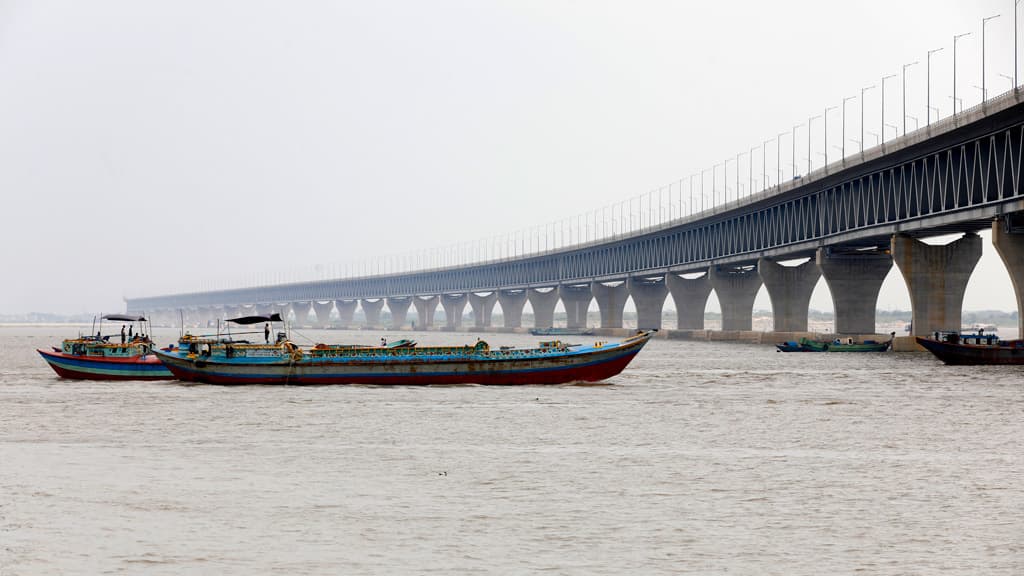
column 852, row 219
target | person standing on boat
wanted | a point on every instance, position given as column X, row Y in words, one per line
column 122, row 333
column 266, row 333
column 130, row 332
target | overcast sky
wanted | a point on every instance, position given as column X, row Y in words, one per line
column 157, row 147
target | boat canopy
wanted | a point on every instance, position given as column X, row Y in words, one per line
column 256, row 319
column 124, row 318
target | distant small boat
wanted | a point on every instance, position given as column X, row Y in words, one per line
column 95, row 357
column 975, row 348
column 836, row 345
column 561, row 331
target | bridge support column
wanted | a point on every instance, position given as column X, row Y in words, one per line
column 649, row 298
column 576, row 300
column 854, row 279
column 790, row 289
column 454, row 305
column 1010, row 247
column 346, row 310
column 512, row 302
column 610, row 302
column 371, row 311
column 691, row 298
column 482, row 307
column 937, row 277
column 543, row 304
column 301, row 310
column 323, row 312
column 736, row 289
column 425, row 309
column 399, row 308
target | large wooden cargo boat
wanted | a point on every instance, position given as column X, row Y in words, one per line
column 221, row 361
column 95, row 357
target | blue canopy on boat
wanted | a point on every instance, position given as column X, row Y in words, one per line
column 256, row 319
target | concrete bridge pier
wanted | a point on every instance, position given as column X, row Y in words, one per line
column 301, row 311
column 399, row 308
column 790, row 289
column 937, row 278
column 611, row 300
column 649, row 298
column 512, row 303
column 425, row 310
column 691, row 298
column 322, row 310
column 346, row 311
column 854, row 279
column 1009, row 244
column 454, row 305
column 736, row 289
column 576, row 300
column 543, row 304
column 483, row 307
column 371, row 311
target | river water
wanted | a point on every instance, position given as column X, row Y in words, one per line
column 701, row 458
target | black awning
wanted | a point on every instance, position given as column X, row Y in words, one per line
column 123, row 318
column 256, row 319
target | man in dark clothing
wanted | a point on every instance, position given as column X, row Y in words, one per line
column 266, row 333
column 122, row 333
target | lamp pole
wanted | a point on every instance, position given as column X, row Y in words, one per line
column 884, row 78
column 1015, row 10
column 862, row 91
column 793, row 157
column 764, row 164
column 750, row 168
column 984, row 21
column 824, row 120
column 702, row 189
column 778, row 155
column 842, row 147
column 955, row 38
column 930, row 52
column 905, row 66
column 738, row 176
column 809, row 120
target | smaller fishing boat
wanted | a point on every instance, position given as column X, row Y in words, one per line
column 561, row 331
column 94, row 357
column 973, row 348
column 836, row 345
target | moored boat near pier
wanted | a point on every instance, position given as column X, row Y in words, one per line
column 836, row 345
column 973, row 348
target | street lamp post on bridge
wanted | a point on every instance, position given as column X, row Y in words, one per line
column 824, row 121
column 884, row 78
column 750, row 168
column 929, row 81
column 905, row 66
column 984, row 21
column 793, row 157
column 778, row 155
column 764, row 164
column 809, row 120
column 862, row 91
column 955, row 39
column 842, row 147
